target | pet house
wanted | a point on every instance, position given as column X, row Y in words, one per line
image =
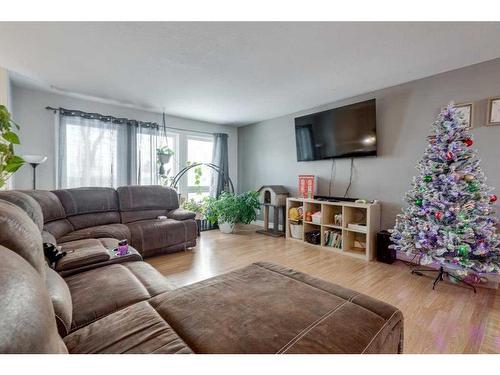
column 273, row 196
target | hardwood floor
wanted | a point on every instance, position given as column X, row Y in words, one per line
column 450, row 319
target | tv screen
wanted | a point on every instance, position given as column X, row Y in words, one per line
column 343, row 132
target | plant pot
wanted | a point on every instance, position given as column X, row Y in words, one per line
column 226, row 227
column 164, row 158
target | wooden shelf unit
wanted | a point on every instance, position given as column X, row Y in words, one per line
column 357, row 243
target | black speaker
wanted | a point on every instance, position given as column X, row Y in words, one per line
column 384, row 254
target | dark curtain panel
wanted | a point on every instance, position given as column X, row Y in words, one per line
column 219, row 158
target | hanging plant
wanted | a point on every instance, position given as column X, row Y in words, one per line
column 9, row 162
column 164, row 154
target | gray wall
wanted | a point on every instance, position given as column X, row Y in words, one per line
column 38, row 130
column 266, row 150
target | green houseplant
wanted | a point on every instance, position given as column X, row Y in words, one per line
column 195, row 206
column 9, row 162
column 230, row 209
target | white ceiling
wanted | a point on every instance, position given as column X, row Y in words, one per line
column 237, row 73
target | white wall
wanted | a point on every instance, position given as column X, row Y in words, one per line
column 404, row 115
column 4, row 87
column 38, row 130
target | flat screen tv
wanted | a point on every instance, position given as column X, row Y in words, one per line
column 343, row 132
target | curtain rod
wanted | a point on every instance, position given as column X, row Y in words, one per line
column 125, row 120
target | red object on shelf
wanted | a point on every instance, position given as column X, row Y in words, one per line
column 307, row 185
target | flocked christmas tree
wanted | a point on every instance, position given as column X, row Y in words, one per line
column 449, row 217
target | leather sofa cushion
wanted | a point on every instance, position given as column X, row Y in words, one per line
column 20, row 234
column 49, row 202
column 82, row 253
column 58, row 228
column 181, row 214
column 118, row 286
column 90, row 206
column 27, row 323
column 87, row 200
column 61, row 300
column 139, row 215
column 94, row 219
column 26, row 203
column 153, row 197
column 150, row 235
column 264, row 308
column 134, row 329
column 118, row 231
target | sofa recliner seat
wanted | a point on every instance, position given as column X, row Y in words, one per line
column 154, row 236
column 117, row 285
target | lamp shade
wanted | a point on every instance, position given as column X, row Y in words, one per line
column 34, row 159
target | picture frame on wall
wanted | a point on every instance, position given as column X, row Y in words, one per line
column 493, row 116
column 467, row 111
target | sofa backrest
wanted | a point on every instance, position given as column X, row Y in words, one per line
column 89, row 206
column 27, row 323
column 146, row 202
column 54, row 216
column 20, row 234
column 27, row 203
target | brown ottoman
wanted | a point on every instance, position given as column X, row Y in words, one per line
column 266, row 308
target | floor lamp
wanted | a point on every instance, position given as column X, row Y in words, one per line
column 34, row 161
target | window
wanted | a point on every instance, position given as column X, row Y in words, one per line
column 199, row 149
column 150, row 170
column 89, row 155
column 100, row 152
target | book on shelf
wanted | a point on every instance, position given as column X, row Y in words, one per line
column 333, row 239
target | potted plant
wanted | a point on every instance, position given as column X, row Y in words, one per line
column 164, row 154
column 230, row 209
column 9, row 162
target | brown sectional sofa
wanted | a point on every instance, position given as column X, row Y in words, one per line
column 128, row 307
column 129, row 212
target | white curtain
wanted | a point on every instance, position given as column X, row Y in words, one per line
column 91, row 153
column 144, row 169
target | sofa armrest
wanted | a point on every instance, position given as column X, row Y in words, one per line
column 181, row 214
column 47, row 237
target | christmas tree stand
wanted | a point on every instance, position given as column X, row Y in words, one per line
column 442, row 272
